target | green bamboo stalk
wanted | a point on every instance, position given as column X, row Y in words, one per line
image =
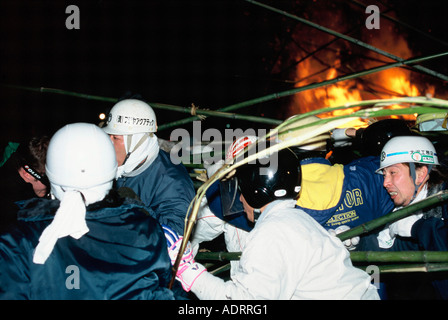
column 221, row 269
column 221, row 114
column 63, row 92
column 348, row 38
column 375, row 109
column 388, row 268
column 398, row 256
column 330, row 81
column 155, row 105
column 355, row 256
column 438, row 198
column 286, row 93
column 402, row 268
column 218, row 256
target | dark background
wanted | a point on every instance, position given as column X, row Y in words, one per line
column 212, row 53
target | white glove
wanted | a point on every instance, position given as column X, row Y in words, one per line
column 350, row 244
column 212, row 168
column 188, row 270
column 340, row 138
column 403, row 227
column 385, row 241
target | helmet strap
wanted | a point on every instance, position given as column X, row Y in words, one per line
column 257, row 213
column 32, row 172
column 414, row 177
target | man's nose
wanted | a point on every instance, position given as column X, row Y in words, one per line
column 386, row 181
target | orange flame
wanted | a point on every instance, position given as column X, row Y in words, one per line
column 390, row 83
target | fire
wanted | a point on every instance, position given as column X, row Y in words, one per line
column 392, row 83
column 397, row 82
column 336, row 95
column 334, row 62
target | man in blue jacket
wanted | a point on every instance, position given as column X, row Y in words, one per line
column 353, row 192
column 412, row 172
column 164, row 187
column 88, row 243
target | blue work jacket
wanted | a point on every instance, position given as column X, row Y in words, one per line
column 166, row 189
column 350, row 194
column 123, row 256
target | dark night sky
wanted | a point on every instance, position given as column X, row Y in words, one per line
column 211, row 52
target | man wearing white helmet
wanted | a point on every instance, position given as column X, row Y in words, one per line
column 164, row 187
column 406, row 163
column 412, row 172
column 89, row 242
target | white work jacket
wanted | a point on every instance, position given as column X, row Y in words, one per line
column 288, row 255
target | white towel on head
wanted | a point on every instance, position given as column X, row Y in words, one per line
column 69, row 220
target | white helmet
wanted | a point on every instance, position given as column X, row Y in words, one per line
column 131, row 116
column 80, row 156
column 409, row 149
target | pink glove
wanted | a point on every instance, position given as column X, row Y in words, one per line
column 188, row 270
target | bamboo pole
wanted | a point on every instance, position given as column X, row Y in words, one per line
column 223, row 112
column 221, row 269
column 286, row 93
column 399, row 256
column 215, row 113
column 401, row 268
column 355, row 256
column 218, row 256
column 386, row 268
column 155, row 105
column 349, row 39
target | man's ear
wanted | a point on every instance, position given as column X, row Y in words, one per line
column 26, row 176
column 421, row 175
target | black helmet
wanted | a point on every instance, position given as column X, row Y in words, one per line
column 269, row 179
column 375, row 136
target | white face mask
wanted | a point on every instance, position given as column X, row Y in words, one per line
column 146, row 150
